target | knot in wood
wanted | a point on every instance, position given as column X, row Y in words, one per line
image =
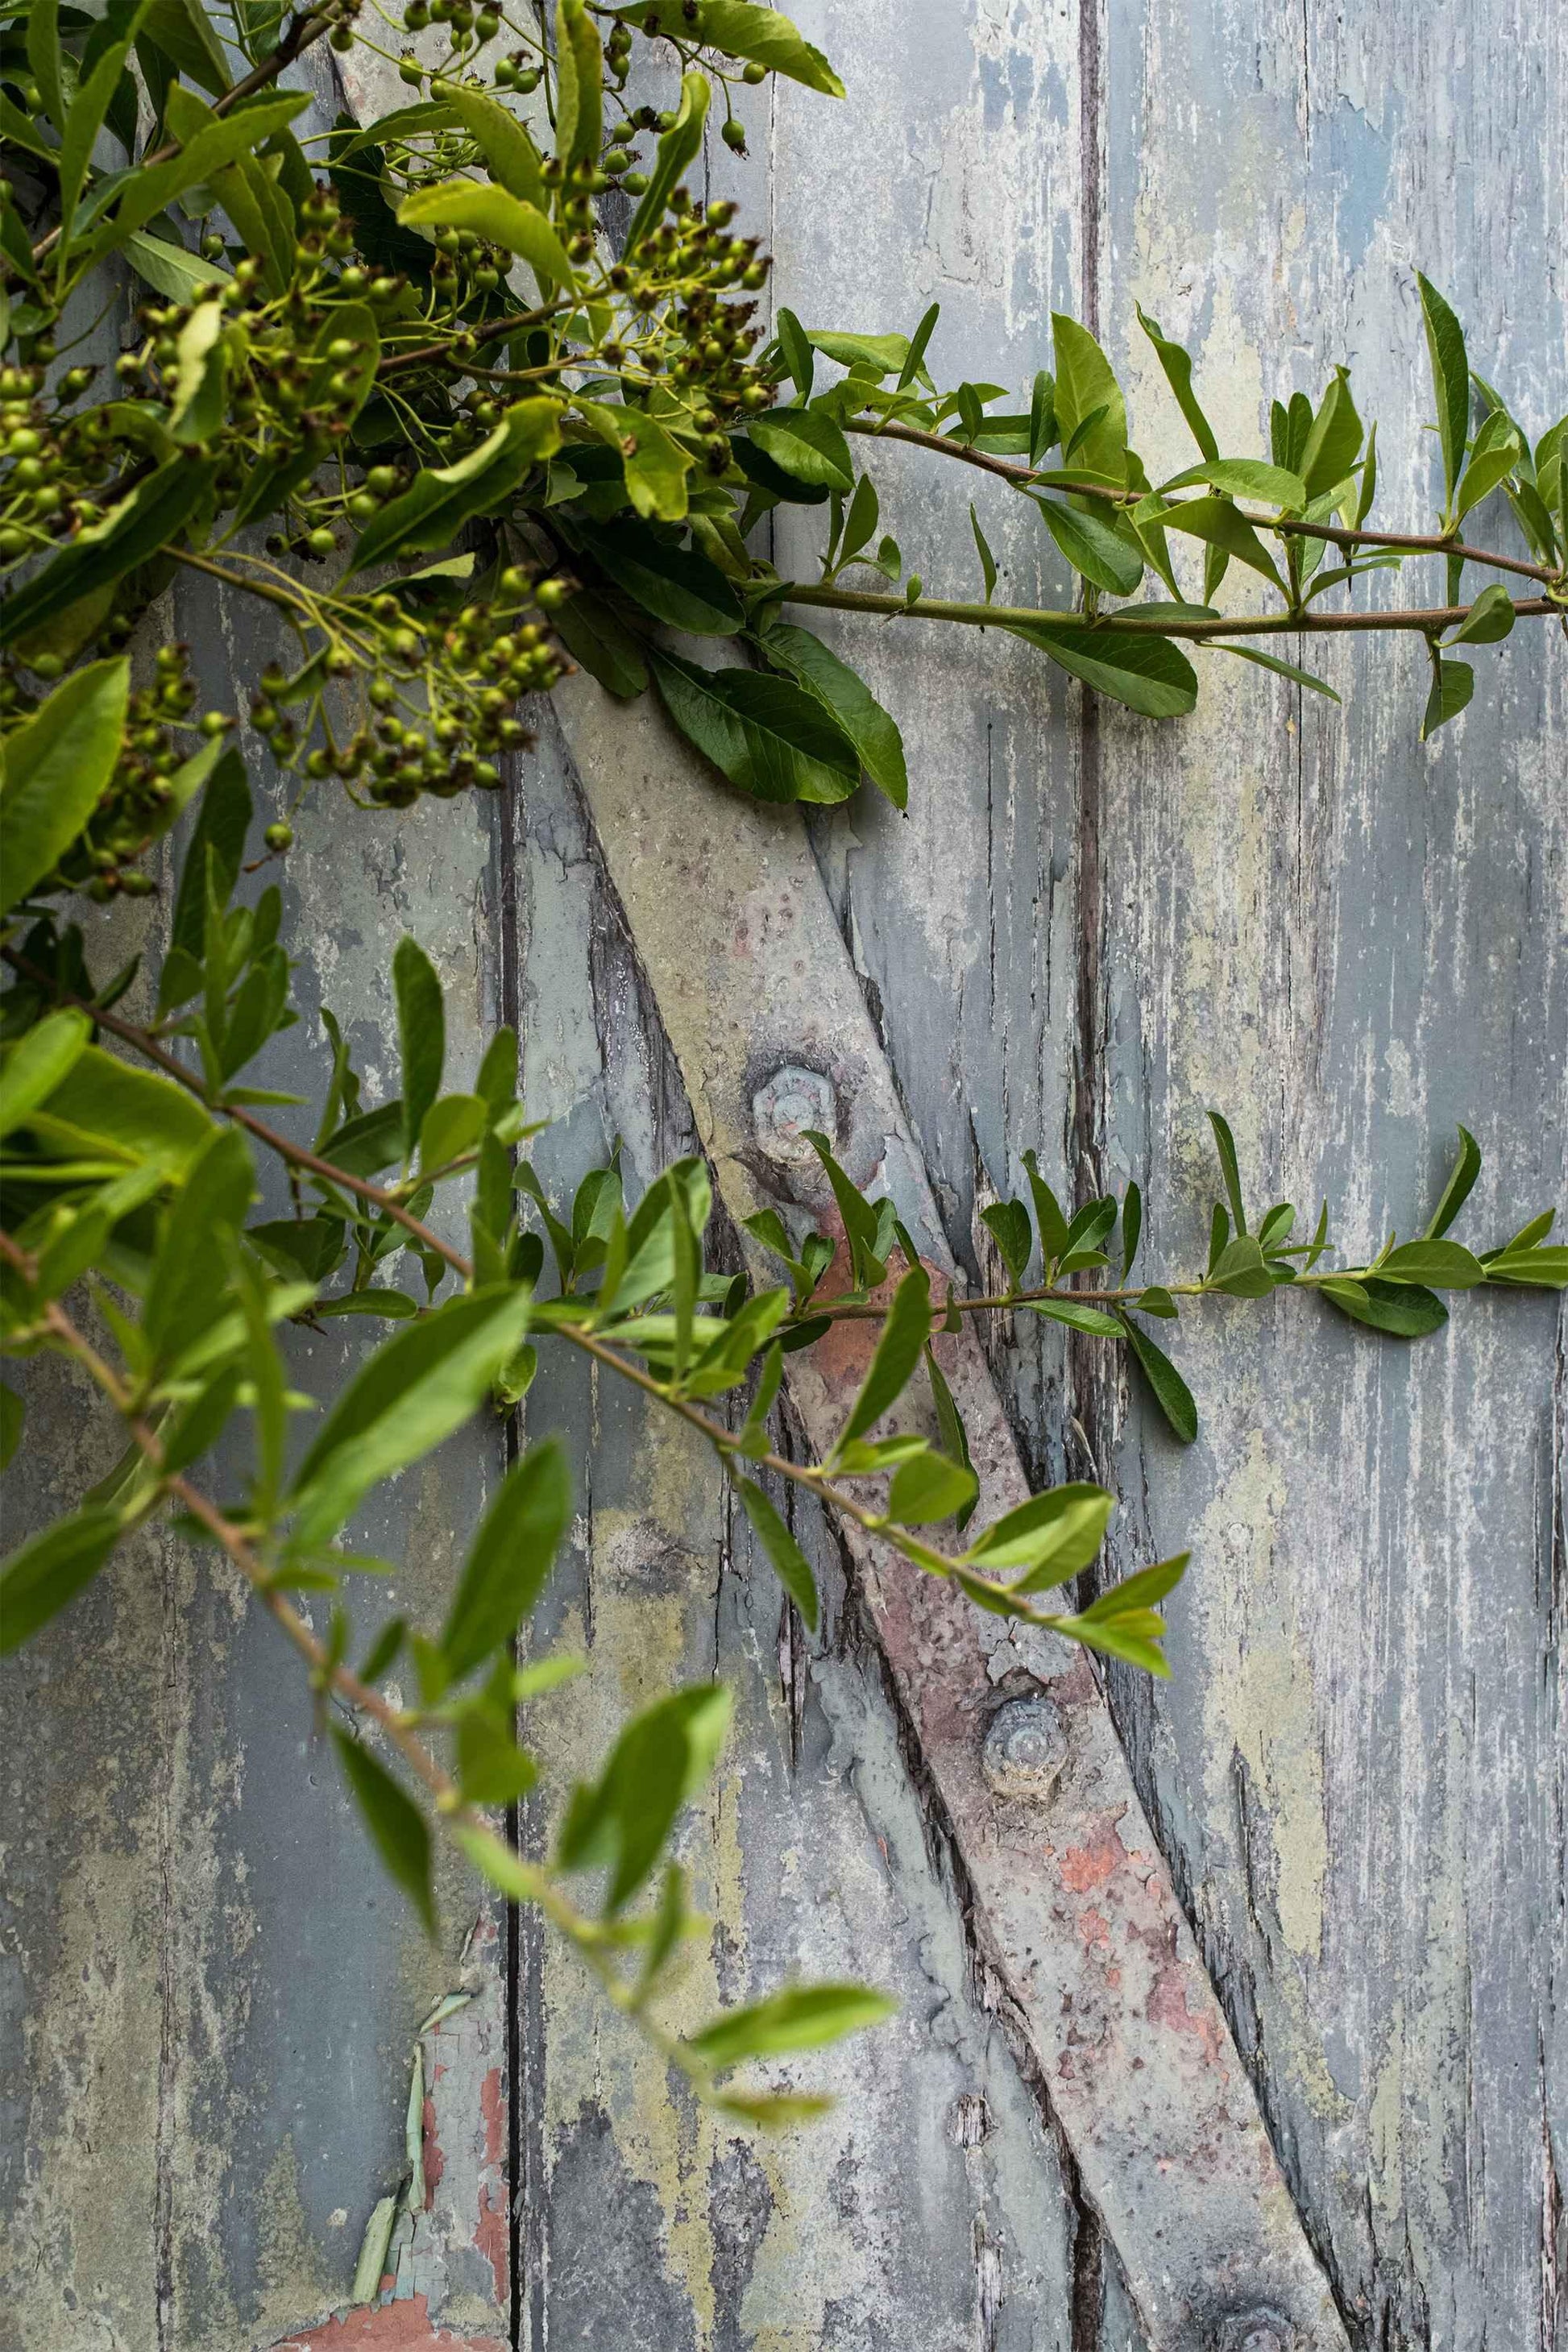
column 1025, row 1748
column 792, row 1100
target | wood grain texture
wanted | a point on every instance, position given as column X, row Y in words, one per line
column 648, row 2224
column 1086, row 931
column 1349, row 943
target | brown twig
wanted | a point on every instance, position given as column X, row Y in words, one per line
column 1411, row 542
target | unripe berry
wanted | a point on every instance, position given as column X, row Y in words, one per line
column 279, row 837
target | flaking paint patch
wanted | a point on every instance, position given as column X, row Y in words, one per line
column 1261, row 1703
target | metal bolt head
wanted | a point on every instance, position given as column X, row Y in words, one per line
column 792, row 1100
column 1259, row 2330
column 1025, row 1748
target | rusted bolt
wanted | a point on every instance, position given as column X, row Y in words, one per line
column 792, row 1100
column 1025, row 1748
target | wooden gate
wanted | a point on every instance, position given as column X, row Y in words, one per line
column 247, row 2093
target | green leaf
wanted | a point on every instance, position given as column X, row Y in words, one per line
column 452, row 1127
column 514, row 161
column 1170, row 1391
column 201, row 158
column 182, row 30
column 789, row 1563
column 1244, row 478
column 1092, row 1319
column 1495, row 452
column 1531, row 1268
column 421, row 1034
column 499, row 218
column 1439, row 1264
column 137, row 527
column 1453, row 684
column 1008, row 1223
column 879, row 355
column 680, row 144
column 1148, row 673
column 899, row 1350
column 1240, row 1270
column 38, row 1064
column 661, row 1759
column 49, row 1570
column 430, row 513
column 1085, row 382
column 1145, row 1589
column 1334, row 441
column 1225, row 1144
column 806, row 444
column 1450, row 380
column 595, row 636
column 1051, row 1535
column 186, row 1293
column 1093, row 547
column 929, row 1487
column 766, row 734
column 579, row 85
column 673, row 583
column 1055, row 1236
column 801, row 2017
column 844, row 694
column 510, row 1558
column 1281, row 668
column 1221, row 525
column 13, row 1414
column 742, row 28
column 1488, row 620
column 103, row 76
column 398, row 1829
column 1178, row 366
column 169, row 271
column 1459, row 1186
column 56, row 763
column 105, row 1107
column 212, row 863
column 201, row 373
column 1402, row 1313
column 417, row 1388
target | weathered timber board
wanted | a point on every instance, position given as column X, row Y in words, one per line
column 1089, row 931
column 1082, row 934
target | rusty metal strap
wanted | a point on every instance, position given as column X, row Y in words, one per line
column 766, row 1017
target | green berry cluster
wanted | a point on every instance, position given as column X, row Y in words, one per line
column 160, row 735
column 441, row 689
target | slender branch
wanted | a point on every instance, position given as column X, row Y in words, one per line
column 1020, row 476
column 489, row 331
column 525, row 1880
column 295, row 1154
column 295, row 41
column 1126, row 623
column 279, row 596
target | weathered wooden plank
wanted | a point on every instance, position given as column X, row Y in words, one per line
column 213, row 1986
column 1070, row 1893
column 647, row 2223
column 1351, row 944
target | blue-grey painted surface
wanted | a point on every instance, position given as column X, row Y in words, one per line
column 1086, row 931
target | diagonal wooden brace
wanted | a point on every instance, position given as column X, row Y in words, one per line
column 763, row 1007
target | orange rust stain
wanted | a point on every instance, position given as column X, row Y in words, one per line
column 492, row 2237
column 387, row 2327
column 1167, row 2006
column 1084, row 1867
column 493, row 2108
column 1094, row 1928
column 435, row 2162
